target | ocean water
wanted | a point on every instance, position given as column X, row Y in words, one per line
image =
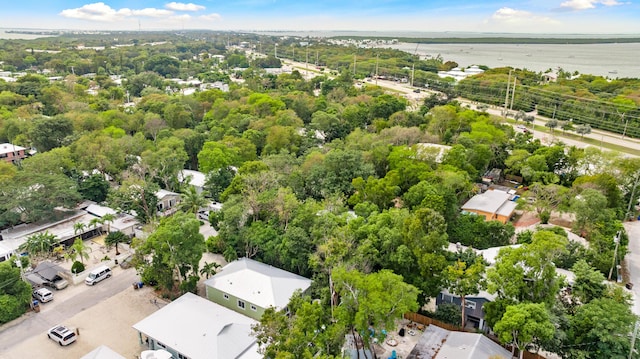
column 610, row 60
column 5, row 35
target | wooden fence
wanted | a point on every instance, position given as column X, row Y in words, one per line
column 424, row 320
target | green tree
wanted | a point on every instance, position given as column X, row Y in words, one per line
column 172, row 253
column 115, row 238
column 40, row 245
column 600, row 329
column 108, row 218
column 373, row 300
column 589, row 284
column 78, row 249
column 209, row 269
column 527, row 273
column 463, row 280
column 192, row 201
column 94, row 188
column 50, row 132
column 15, row 294
column 523, row 324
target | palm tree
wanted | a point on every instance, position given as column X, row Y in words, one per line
column 108, row 219
column 78, row 248
column 94, row 222
column 114, row 238
column 79, row 227
column 40, row 244
column 192, row 201
column 208, row 269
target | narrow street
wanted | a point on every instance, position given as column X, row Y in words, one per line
column 632, row 260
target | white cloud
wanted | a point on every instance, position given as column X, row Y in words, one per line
column 152, row 12
column 509, row 15
column 101, row 12
column 178, row 6
column 210, row 17
column 96, row 12
column 587, row 4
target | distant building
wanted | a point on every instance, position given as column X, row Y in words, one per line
column 493, row 205
column 460, row 74
column 12, row 153
column 250, row 287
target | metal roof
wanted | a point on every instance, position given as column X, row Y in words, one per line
column 201, row 329
column 489, row 201
column 258, row 283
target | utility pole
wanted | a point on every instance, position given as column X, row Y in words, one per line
column 513, row 93
column 506, row 96
column 633, row 339
column 615, row 254
column 354, row 65
column 275, row 51
column 377, row 57
column 413, row 69
column 633, row 193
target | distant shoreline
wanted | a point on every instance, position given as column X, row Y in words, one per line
column 496, row 40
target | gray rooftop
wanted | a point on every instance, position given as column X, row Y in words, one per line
column 489, row 201
column 201, row 329
column 258, row 283
column 439, row 343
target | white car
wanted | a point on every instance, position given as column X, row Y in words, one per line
column 43, row 295
column 62, row 335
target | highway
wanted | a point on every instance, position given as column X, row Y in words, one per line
column 406, row 90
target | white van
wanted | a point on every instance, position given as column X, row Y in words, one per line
column 97, row 275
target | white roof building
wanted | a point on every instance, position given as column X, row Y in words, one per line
column 195, row 178
column 197, row 328
column 102, row 352
column 258, row 283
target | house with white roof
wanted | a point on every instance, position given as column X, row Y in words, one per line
column 12, row 153
column 167, row 202
column 196, row 179
column 195, row 328
column 494, row 205
column 250, row 287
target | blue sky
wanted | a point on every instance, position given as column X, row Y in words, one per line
column 532, row 16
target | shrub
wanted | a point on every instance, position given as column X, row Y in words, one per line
column 77, row 267
column 544, row 217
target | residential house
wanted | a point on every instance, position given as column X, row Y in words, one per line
column 474, row 312
column 12, row 153
column 250, row 287
column 494, row 205
column 167, row 202
column 438, row 343
column 195, row 328
column 196, row 179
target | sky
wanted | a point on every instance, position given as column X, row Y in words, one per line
column 532, row 16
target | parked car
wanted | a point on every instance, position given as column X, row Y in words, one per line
column 62, row 335
column 43, row 295
column 97, row 275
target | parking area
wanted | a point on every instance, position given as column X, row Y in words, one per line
column 107, row 323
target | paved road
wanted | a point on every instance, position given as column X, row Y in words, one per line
column 66, row 304
column 632, row 260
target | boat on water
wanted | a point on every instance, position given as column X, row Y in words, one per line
column 613, row 72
